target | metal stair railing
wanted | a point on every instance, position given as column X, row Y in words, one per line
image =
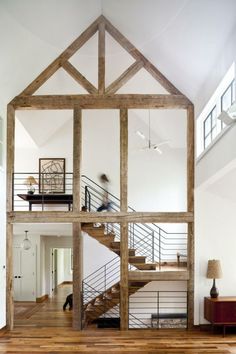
column 149, row 240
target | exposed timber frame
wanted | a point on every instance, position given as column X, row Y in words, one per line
column 101, row 97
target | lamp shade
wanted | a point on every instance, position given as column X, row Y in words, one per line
column 30, row 181
column 214, row 269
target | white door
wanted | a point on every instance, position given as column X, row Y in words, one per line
column 24, row 274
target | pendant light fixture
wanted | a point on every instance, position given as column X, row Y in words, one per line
column 26, row 244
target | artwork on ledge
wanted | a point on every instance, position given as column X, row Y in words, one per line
column 52, row 175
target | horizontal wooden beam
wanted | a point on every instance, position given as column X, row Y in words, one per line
column 128, row 101
column 68, row 217
column 156, row 275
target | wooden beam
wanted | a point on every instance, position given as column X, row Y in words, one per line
column 128, row 46
column 79, row 78
column 10, row 154
column 77, row 236
column 77, row 276
column 9, row 202
column 56, row 64
column 101, row 58
column 100, row 101
column 124, row 77
column 190, row 204
column 9, row 285
column 190, row 157
column 124, row 253
column 77, row 157
column 190, row 267
column 123, row 160
column 118, row 217
column 158, row 276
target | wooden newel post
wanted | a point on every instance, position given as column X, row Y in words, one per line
column 124, row 283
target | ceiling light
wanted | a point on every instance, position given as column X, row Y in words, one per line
column 140, row 134
column 227, row 117
column 26, row 244
column 155, row 147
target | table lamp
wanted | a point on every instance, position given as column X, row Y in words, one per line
column 30, row 182
column 214, row 272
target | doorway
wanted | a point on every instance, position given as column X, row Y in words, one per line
column 24, row 273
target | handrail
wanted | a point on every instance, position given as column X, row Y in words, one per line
column 150, row 241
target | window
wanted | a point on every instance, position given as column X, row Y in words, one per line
column 228, row 97
column 210, row 127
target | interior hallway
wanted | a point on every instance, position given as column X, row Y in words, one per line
column 46, row 314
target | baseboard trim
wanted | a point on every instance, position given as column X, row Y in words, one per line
column 42, row 298
column 67, row 282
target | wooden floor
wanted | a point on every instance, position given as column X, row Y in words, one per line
column 45, row 328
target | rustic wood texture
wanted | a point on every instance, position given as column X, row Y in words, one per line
column 172, row 275
column 57, row 63
column 45, row 328
column 128, row 46
column 190, row 208
column 124, row 77
column 79, row 78
column 190, row 267
column 65, row 216
column 77, row 236
column 101, row 58
column 100, row 101
column 10, row 153
column 77, row 157
column 77, row 276
column 190, row 157
column 9, row 229
column 65, row 340
column 124, row 253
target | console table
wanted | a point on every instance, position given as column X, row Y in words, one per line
column 47, row 199
column 220, row 311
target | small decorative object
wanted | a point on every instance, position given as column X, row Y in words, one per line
column 214, row 272
column 52, row 175
column 30, row 182
column 26, row 244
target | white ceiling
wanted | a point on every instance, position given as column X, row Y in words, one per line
column 183, row 38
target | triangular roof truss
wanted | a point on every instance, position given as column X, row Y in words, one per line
column 101, row 96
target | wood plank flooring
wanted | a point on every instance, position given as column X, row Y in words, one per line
column 47, row 329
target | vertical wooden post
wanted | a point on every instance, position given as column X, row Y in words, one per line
column 124, row 257
column 9, row 241
column 190, row 204
column 77, row 237
column 101, row 58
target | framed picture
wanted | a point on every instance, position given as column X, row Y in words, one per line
column 51, row 175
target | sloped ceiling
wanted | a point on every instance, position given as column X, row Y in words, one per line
column 183, row 38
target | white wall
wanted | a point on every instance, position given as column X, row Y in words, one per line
column 2, row 252
column 215, row 239
column 222, row 63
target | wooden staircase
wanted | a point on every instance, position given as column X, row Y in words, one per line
column 107, row 300
column 110, row 298
column 108, row 240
